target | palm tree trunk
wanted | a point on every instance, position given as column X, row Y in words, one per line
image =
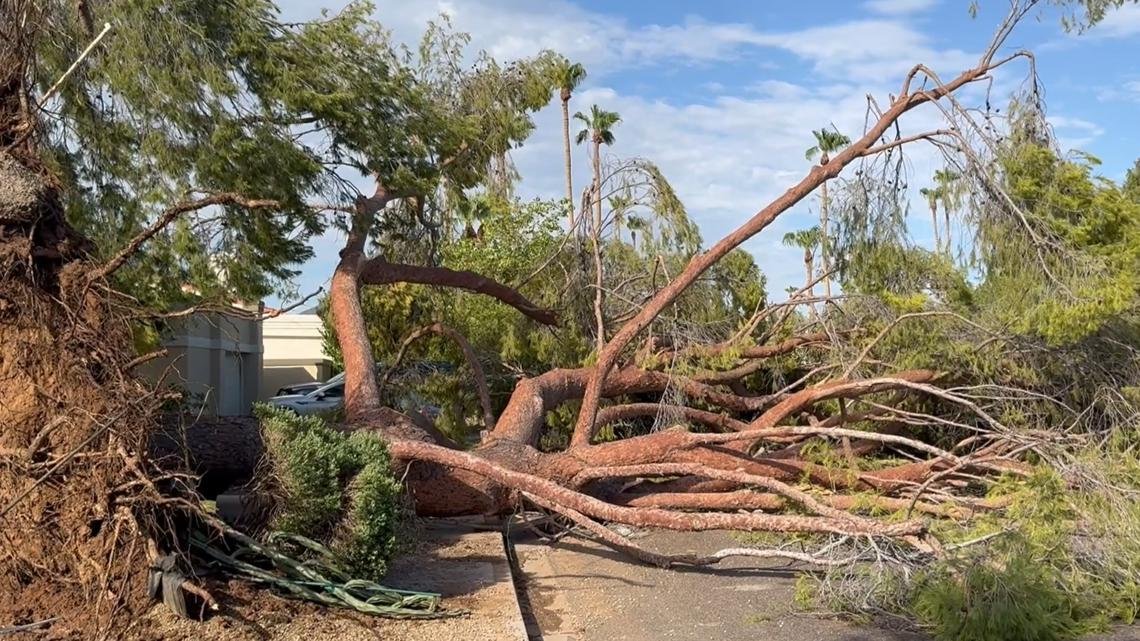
column 934, row 223
column 595, row 236
column 824, row 240
column 566, row 157
column 946, row 215
column 598, row 185
column 809, row 267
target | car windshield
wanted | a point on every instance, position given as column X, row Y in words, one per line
column 333, row 388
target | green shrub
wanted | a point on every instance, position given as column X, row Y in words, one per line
column 1018, row 600
column 1062, row 560
column 334, row 487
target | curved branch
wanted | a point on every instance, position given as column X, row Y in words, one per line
column 645, row 517
column 377, row 271
column 840, row 389
column 468, row 353
column 167, row 217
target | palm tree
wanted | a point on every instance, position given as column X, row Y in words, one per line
column 567, row 76
column 827, row 142
column 637, row 224
column 620, row 206
column 933, row 195
column 806, row 239
column 474, row 209
column 949, row 189
column 598, row 129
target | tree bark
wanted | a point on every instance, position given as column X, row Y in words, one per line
column 596, row 239
column 934, row 226
column 361, row 393
column 824, row 236
column 567, row 156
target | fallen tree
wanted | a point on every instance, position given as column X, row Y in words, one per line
column 507, row 465
column 757, row 467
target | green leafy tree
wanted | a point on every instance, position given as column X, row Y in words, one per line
column 1131, row 185
column 827, row 142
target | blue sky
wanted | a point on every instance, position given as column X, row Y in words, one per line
column 723, row 94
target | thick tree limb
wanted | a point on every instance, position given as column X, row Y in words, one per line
column 622, row 544
column 729, row 501
column 643, row 517
column 751, row 500
column 377, row 271
column 694, row 469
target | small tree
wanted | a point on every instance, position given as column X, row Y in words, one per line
column 949, row 191
column 932, row 196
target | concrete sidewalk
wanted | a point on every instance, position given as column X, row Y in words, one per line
column 577, row 590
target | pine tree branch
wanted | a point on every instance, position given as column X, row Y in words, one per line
column 168, row 216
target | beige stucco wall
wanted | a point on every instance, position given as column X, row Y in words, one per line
column 215, row 359
column 293, row 352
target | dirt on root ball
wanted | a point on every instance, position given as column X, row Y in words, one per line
column 79, row 517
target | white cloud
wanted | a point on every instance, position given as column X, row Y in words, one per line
column 872, row 50
column 1128, row 90
column 1074, row 133
column 509, row 29
column 731, row 153
column 899, row 7
column 1119, row 23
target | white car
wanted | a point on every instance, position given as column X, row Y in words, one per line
column 326, row 398
column 330, row 397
